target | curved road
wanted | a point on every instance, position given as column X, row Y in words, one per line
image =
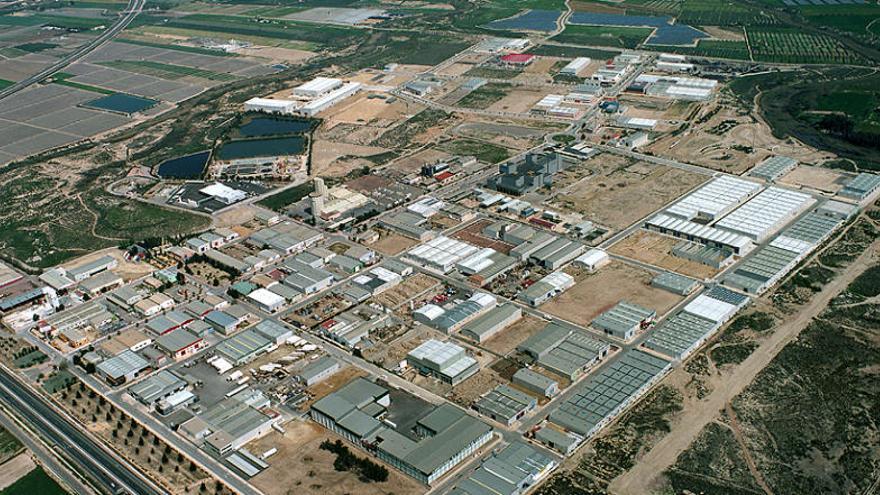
column 132, row 10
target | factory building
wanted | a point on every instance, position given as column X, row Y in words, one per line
column 180, row 343
column 536, row 382
column 548, row 287
column 764, row 214
column 441, row 253
column 714, row 199
column 490, row 324
column 124, row 367
column 707, row 255
column 318, row 371
column 266, row 105
column 450, row 320
column 440, row 440
column 576, row 66
column 592, row 260
column 695, row 232
column 92, row 268
column 773, row 168
column 443, row 360
column 563, row 350
column 228, row 426
column 408, row 224
column 624, row 320
column 511, row 471
column 564, row 443
column 505, row 404
column 675, row 283
column 156, row 387
column 317, row 87
column 244, row 347
column 529, row 173
column 266, row 300
column 517, row 60
column 306, row 279
column 556, row 254
column 861, row 187
column 321, row 103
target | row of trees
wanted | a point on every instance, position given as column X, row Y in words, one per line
column 366, row 469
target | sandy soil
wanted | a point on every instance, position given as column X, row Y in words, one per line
column 413, row 287
column 300, row 467
column 413, row 163
column 596, row 293
column 724, row 34
column 393, row 244
column 821, row 179
column 15, row 468
column 277, row 54
column 456, row 69
column 327, row 157
column 518, row 101
column 656, row 249
column 642, row 477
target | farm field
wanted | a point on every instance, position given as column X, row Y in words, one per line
column 792, row 46
column 619, row 37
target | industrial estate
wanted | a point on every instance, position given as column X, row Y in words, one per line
column 467, row 248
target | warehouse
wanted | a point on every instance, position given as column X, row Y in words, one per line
column 510, row 471
column 450, row 320
column 563, row 350
column 379, row 279
column 445, row 435
column 443, row 360
column 565, row 443
column 232, row 425
column 692, row 231
column 321, row 103
column 598, row 400
column 557, row 253
column 490, row 324
column 266, row 300
column 156, row 387
column 762, row 270
column 535, row 243
column 766, row 213
column 86, row 270
column 706, row 255
column 318, row 371
column 180, row 343
column 505, row 405
column 266, row 105
column 675, row 283
column 861, row 187
column 517, row 59
column 274, row 332
column 236, row 265
column 441, row 253
column 243, row 347
column 171, row 320
column 547, row 288
column 93, row 314
column 624, row 320
column 223, row 322
column 592, row 260
column 306, row 279
column 529, row 173
column 714, row 200
column 774, row 167
column 484, row 270
column 123, row 367
column 57, row 279
column 576, row 66
column 317, row 87
column 637, row 123
column 347, row 329
column 536, row 382
column 408, row 224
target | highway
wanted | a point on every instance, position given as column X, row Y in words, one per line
column 111, row 472
column 132, row 10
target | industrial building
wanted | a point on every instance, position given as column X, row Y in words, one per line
column 696, row 232
column 624, row 320
column 306, row 279
column 598, row 400
column 318, row 371
column 565, row 351
column 441, row 253
column 243, row 347
column 317, row 87
column 267, row 105
column 536, row 382
column 576, row 66
column 505, row 404
column 707, row 255
column 565, row 443
column 684, row 332
column 228, row 426
column 675, row 283
column 157, row 387
column 407, row 224
column 490, row 324
column 592, row 260
column 445, row 361
column 91, row 314
column 450, row 320
column 325, row 101
column 266, row 300
column 547, row 288
column 529, row 173
column 484, row 266
column 558, row 253
column 124, row 367
column 439, row 440
column 861, row 187
column 510, row 471
column 714, row 199
column 774, row 167
column 764, row 214
column 180, row 343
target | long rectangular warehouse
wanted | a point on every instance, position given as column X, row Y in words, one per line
column 692, row 231
column 766, row 213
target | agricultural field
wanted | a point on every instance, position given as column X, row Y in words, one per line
column 613, row 36
column 730, row 49
column 787, row 45
column 484, row 97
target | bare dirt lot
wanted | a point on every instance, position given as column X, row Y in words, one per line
column 334, row 159
column 413, row 163
column 519, row 100
column 656, row 249
column 300, row 467
column 15, row 468
column 596, row 293
column 506, row 341
column 391, row 244
column 821, row 179
column 615, row 192
column 410, row 288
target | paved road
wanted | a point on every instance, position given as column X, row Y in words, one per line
column 104, row 467
column 132, row 10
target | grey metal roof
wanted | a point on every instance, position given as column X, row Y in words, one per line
column 774, row 167
column 155, row 387
column 622, row 317
column 489, row 322
column 548, row 338
column 506, row 472
column 678, row 334
column 533, row 379
column 243, row 346
column 504, row 402
column 317, row 368
column 124, row 363
column 176, row 340
column 675, row 283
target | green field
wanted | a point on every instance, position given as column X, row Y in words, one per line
column 9, row 445
column 283, row 199
column 484, row 97
column 484, row 152
column 618, row 37
column 5, row 84
column 179, row 48
column 788, row 45
column 37, row 481
column 62, row 78
column 736, row 50
column 167, row 71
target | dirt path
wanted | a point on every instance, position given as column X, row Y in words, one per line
column 641, row 478
column 737, row 433
column 15, row 468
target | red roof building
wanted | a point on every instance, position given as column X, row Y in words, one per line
column 518, row 59
column 443, row 176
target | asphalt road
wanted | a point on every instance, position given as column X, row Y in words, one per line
column 105, row 468
column 132, row 10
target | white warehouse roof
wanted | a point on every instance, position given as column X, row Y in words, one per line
column 318, row 85
column 266, row 297
column 710, row 308
column 592, row 257
column 762, row 215
column 715, row 198
column 701, row 231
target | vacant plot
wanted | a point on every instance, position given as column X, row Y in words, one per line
column 596, row 293
column 620, row 191
column 821, row 179
column 15, row 469
column 411, row 288
column 486, row 96
column 519, row 100
column 392, row 244
column 9, row 446
column 301, row 468
column 505, row 342
column 656, row 249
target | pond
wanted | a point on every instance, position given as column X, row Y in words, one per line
column 121, row 103
column 184, row 167
column 273, row 126
column 252, row 148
